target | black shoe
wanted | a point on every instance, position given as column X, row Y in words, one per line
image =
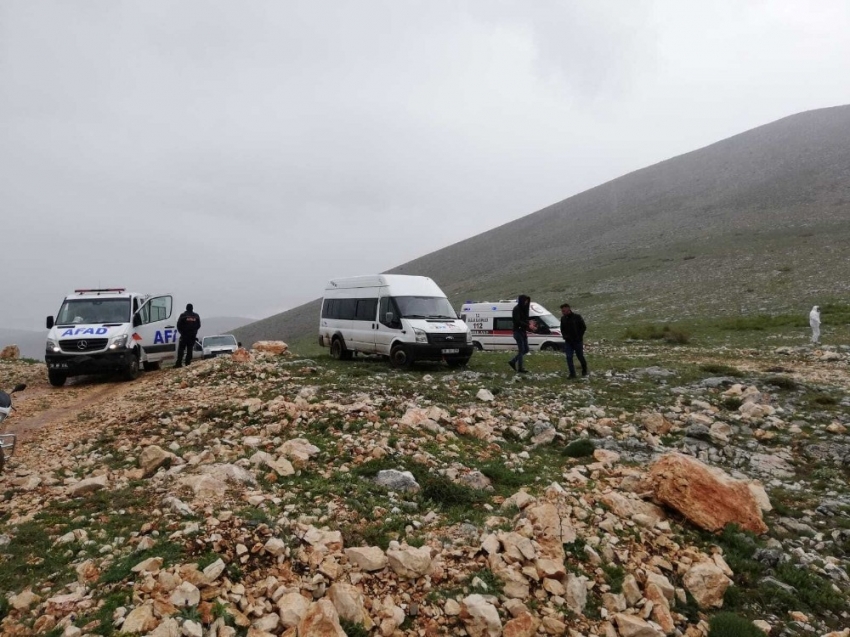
column 512, row 364
column 571, row 376
column 522, row 371
column 585, row 373
column 178, row 366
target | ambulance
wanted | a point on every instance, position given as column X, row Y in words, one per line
column 405, row 318
column 109, row 330
column 491, row 324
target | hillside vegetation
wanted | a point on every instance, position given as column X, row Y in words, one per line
column 756, row 223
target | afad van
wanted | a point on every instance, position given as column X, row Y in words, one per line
column 491, row 325
column 405, row 318
column 109, row 331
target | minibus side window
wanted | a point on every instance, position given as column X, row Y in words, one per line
column 387, row 304
column 366, row 309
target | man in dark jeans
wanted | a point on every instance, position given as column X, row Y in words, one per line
column 572, row 331
column 520, row 318
column 187, row 325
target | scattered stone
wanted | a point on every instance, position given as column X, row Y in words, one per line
column 369, row 558
column 480, row 617
column 707, row 583
column 397, row 480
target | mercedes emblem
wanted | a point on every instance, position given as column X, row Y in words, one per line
column 82, row 345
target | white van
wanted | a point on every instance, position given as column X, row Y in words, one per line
column 407, row 318
column 492, row 326
column 109, row 330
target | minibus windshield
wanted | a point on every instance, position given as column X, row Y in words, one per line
column 95, row 310
column 550, row 320
column 425, row 307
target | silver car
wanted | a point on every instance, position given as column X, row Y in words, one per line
column 217, row 345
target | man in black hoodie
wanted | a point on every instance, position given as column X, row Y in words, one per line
column 187, row 325
column 520, row 318
column 572, row 331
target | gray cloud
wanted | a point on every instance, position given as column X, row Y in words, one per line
column 241, row 154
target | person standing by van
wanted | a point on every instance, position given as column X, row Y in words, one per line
column 187, row 326
column 520, row 320
column 572, row 330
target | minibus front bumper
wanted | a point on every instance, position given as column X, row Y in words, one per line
column 439, row 351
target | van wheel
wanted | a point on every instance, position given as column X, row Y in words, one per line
column 339, row 351
column 478, row 346
column 399, row 357
column 457, row 362
column 150, row 367
column 56, row 379
column 549, row 347
column 132, row 371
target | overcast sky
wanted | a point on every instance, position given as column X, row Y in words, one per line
column 240, row 154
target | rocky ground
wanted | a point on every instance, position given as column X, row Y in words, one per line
column 677, row 491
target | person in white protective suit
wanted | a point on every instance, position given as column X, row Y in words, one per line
column 814, row 322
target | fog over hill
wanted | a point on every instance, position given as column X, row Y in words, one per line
column 756, row 222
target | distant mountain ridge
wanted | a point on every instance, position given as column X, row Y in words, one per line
column 755, row 222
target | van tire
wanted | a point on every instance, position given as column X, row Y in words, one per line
column 549, row 347
column 478, row 346
column 150, row 367
column 400, row 357
column 56, row 379
column 339, row 351
column 132, row 371
column 457, row 362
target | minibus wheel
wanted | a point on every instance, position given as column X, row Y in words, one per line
column 339, row 351
column 56, row 379
column 478, row 346
column 399, row 357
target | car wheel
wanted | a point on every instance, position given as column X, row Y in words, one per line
column 56, row 379
column 150, row 366
column 478, row 346
column 399, row 357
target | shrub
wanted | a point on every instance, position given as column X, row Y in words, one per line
column 353, row 630
column 503, row 476
column 440, row 490
column 719, row 368
column 732, row 625
column 666, row 333
column 782, row 382
column 580, row 448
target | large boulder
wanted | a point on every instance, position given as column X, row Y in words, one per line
column 409, row 562
column 707, row 583
column 368, row 558
column 10, row 352
column 707, row 496
column 272, row 347
column 321, row 620
column 152, row 458
column 480, row 617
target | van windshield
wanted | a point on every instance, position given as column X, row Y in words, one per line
column 550, row 320
column 425, row 307
column 94, row 311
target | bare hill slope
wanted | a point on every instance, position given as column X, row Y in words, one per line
column 752, row 223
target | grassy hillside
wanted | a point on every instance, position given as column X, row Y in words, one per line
column 756, row 223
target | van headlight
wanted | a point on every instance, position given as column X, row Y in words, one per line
column 421, row 335
column 51, row 346
column 468, row 336
column 119, row 342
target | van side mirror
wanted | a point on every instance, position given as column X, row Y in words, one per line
column 49, row 322
column 389, row 317
column 137, row 320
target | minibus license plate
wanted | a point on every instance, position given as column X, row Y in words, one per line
column 58, row 365
column 451, row 351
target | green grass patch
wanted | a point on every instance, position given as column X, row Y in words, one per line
column 785, row 383
column 721, row 370
column 652, row 332
column 732, row 625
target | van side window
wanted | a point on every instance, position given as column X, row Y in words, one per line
column 503, row 323
column 347, row 309
column 366, row 309
column 388, row 305
column 328, row 308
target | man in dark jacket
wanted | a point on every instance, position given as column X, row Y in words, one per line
column 572, row 331
column 520, row 318
column 187, row 325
